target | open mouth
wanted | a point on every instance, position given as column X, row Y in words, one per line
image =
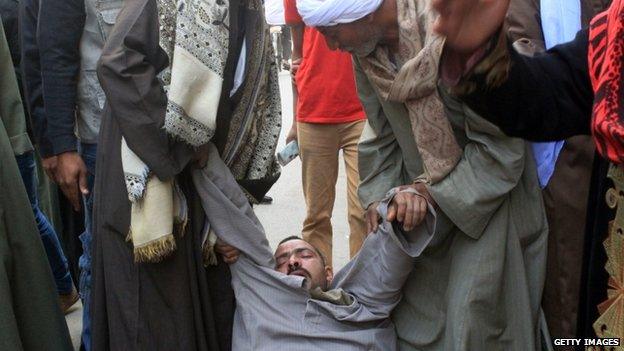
column 300, row 273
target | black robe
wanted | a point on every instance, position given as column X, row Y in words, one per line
column 177, row 304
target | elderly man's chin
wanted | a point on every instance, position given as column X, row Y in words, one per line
column 363, row 50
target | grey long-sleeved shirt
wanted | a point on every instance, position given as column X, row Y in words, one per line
column 274, row 310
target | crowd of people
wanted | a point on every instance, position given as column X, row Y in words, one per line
column 483, row 144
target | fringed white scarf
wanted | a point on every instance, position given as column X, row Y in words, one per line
column 195, row 35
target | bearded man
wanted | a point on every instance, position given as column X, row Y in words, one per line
column 290, row 300
column 177, row 75
column 478, row 285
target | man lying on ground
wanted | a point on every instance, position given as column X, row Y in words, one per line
column 291, row 300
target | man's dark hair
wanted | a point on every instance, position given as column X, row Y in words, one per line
column 294, row 237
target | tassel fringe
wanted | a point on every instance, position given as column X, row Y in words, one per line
column 209, row 255
column 155, row 251
column 180, row 227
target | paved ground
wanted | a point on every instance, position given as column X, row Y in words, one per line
column 285, row 216
column 74, row 322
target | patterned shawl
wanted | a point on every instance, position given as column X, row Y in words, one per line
column 606, row 70
column 415, row 84
column 255, row 123
column 195, row 35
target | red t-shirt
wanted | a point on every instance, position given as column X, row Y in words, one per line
column 325, row 81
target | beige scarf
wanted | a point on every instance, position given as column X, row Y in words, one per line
column 415, row 85
column 195, row 35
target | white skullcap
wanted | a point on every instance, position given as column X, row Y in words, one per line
column 324, row 13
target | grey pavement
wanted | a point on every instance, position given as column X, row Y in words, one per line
column 74, row 323
column 284, row 217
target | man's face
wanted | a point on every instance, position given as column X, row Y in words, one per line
column 359, row 38
column 297, row 257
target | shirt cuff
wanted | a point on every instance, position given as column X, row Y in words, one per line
column 21, row 144
column 64, row 143
column 45, row 148
column 415, row 241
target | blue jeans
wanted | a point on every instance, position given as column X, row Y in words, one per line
column 88, row 153
column 51, row 243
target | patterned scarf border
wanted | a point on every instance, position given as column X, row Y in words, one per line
column 195, row 36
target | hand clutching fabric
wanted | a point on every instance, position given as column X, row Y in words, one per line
column 200, row 157
column 409, row 208
column 372, row 217
column 229, row 253
column 406, row 207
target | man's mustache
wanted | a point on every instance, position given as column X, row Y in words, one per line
column 299, row 269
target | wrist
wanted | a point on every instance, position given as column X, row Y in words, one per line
column 64, row 144
column 69, row 153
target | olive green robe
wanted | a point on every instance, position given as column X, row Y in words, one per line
column 30, row 316
column 478, row 286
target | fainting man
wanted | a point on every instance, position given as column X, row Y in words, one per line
column 290, row 300
column 478, row 286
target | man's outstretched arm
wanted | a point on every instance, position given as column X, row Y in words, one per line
column 375, row 277
column 228, row 211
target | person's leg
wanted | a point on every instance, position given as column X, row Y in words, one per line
column 318, row 149
column 56, row 257
column 88, row 153
column 349, row 136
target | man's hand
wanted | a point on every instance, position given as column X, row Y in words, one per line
column 292, row 134
column 408, row 208
column 372, row 217
column 468, row 24
column 422, row 190
column 71, row 176
column 200, row 158
column 229, row 253
column 49, row 165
